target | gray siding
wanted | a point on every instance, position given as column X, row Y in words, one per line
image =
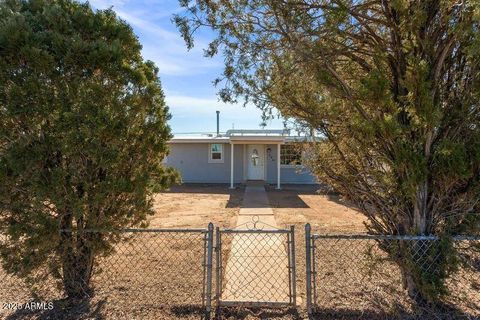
column 272, row 165
column 191, row 159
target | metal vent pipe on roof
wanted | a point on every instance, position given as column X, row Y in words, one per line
column 218, row 123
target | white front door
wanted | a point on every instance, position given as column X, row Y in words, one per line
column 256, row 162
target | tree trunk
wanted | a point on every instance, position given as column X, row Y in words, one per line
column 77, row 270
column 410, row 249
column 420, row 209
column 411, row 277
column 409, row 284
column 77, row 262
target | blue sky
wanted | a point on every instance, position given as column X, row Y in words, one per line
column 186, row 75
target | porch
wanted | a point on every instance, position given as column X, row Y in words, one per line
column 260, row 153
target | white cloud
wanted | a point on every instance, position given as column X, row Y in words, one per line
column 187, row 107
column 147, row 26
column 179, row 61
column 163, row 44
column 165, row 47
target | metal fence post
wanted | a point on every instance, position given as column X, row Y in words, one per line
column 294, row 272
column 289, row 267
column 218, row 272
column 308, row 263
column 208, row 304
column 204, row 265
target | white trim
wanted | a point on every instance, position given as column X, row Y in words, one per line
column 257, row 140
column 278, row 166
column 232, row 148
column 263, row 132
column 203, row 140
column 222, row 154
column 245, row 163
column 254, row 139
column 265, row 161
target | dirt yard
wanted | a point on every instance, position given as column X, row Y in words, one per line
column 326, row 213
column 160, row 275
column 195, row 205
column 125, row 281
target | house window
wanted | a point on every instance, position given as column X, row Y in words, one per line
column 290, row 155
column 216, row 153
column 255, row 157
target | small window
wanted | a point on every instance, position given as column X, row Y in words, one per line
column 216, row 153
column 290, row 155
column 255, row 157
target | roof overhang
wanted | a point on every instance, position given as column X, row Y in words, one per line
column 199, row 140
column 257, row 140
column 253, row 139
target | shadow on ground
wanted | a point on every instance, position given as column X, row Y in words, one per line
column 83, row 310
column 257, row 313
column 289, row 195
column 441, row 311
column 182, row 311
column 236, row 195
column 207, row 188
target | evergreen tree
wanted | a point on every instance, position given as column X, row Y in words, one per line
column 83, row 131
column 394, row 88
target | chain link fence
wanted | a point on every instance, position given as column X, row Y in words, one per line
column 255, row 268
column 352, row 277
column 149, row 272
column 158, row 273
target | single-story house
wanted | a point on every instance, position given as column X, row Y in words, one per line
column 238, row 156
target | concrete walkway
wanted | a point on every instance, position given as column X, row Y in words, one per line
column 257, row 265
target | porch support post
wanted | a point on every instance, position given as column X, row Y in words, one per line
column 278, row 166
column 232, row 146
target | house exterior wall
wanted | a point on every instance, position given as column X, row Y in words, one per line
column 288, row 174
column 191, row 159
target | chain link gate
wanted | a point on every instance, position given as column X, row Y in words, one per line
column 255, row 267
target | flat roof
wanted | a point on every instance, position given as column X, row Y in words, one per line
column 199, row 140
column 240, row 137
